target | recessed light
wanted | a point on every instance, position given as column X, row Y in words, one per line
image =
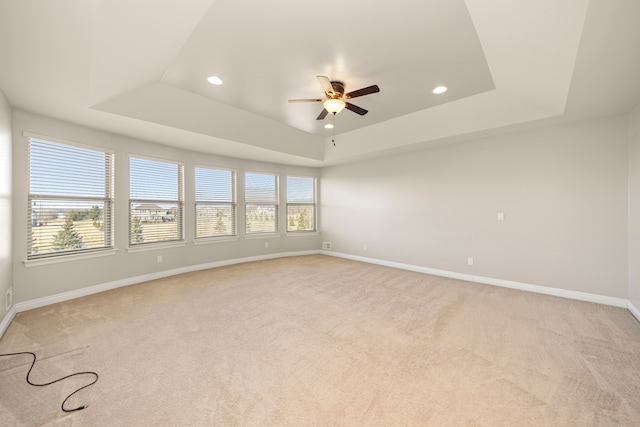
column 328, row 126
column 215, row 80
column 440, row 89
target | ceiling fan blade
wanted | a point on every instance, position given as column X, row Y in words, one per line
column 364, row 91
column 323, row 114
column 305, row 100
column 355, row 109
column 325, row 83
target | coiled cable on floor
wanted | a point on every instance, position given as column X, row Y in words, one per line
column 55, row 381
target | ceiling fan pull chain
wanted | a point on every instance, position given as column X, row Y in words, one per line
column 333, row 131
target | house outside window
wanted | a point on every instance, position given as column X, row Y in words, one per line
column 156, row 201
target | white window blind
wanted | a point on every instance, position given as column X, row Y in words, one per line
column 215, row 202
column 261, row 198
column 70, row 199
column 301, row 204
column 155, row 201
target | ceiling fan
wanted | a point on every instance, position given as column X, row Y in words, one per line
column 336, row 99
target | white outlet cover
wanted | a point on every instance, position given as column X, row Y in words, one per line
column 9, row 299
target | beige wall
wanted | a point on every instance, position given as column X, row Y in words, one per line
column 634, row 208
column 6, row 277
column 562, row 189
column 46, row 280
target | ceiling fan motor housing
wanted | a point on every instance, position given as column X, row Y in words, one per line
column 338, row 88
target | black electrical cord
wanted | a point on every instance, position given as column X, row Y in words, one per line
column 55, row 381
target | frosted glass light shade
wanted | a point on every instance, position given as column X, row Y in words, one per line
column 334, row 106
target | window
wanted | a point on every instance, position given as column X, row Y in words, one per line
column 70, row 199
column 155, row 201
column 261, row 198
column 215, row 202
column 301, row 204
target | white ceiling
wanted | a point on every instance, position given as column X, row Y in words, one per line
column 139, row 68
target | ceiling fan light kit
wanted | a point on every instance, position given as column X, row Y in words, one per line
column 334, row 106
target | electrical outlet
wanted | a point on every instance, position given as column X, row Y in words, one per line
column 266, row 245
column 326, row 246
column 364, row 247
column 470, row 261
column 159, row 258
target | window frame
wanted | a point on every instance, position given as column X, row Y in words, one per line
column 179, row 205
column 105, row 175
column 313, row 205
column 233, row 204
column 265, row 204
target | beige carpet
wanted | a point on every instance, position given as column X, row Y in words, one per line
column 322, row 341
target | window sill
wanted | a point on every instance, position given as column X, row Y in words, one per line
column 261, row 236
column 302, row 233
column 207, row 240
column 66, row 258
column 155, row 246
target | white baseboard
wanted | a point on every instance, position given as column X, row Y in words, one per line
column 582, row 296
column 66, row 296
column 6, row 321
column 53, row 299
column 634, row 310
